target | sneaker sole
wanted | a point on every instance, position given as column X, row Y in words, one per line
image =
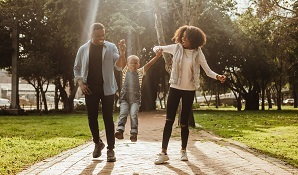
column 133, row 139
column 119, row 135
column 159, row 163
column 111, row 160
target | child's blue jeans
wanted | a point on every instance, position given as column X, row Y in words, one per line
column 125, row 110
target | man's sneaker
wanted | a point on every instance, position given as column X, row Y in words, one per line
column 161, row 158
column 97, row 149
column 183, row 155
column 111, row 156
column 133, row 137
column 119, row 134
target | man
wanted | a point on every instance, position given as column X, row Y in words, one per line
column 94, row 73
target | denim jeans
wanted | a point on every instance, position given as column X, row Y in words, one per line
column 125, row 110
column 92, row 104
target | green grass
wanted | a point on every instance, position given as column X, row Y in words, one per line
column 270, row 132
column 25, row 140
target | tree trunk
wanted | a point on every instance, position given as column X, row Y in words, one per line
column 160, row 35
column 56, row 99
column 37, row 99
column 295, row 96
column 252, row 100
column 268, row 94
column 263, row 97
column 44, row 100
column 278, row 87
column 186, row 11
column 67, row 101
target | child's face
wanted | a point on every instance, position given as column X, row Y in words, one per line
column 133, row 64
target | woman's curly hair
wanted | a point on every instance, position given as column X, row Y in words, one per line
column 195, row 36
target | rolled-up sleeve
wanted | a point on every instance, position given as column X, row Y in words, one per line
column 116, row 55
column 77, row 69
column 168, row 49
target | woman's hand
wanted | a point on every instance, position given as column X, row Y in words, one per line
column 221, row 78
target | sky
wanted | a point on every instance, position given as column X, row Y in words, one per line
column 242, row 5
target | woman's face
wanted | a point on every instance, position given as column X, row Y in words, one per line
column 185, row 42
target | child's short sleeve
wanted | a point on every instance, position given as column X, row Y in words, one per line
column 141, row 73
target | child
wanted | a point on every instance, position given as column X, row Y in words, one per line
column 130, row 95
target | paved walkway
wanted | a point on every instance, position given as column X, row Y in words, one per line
column 208, row 155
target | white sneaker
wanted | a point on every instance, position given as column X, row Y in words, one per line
column 184, row 155
column 161, row 158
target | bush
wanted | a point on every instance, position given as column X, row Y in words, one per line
column 80, row 107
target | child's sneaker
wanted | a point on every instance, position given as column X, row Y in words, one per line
column 133, row 137
column 183, row 155
column 161, row 158
column 119, row 134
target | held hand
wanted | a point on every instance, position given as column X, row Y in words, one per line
column 158, row 52
column 221, row 78
column 122, row 46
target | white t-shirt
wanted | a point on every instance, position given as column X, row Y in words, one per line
column 187, row 82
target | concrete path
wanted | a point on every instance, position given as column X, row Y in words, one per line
column 208, row 155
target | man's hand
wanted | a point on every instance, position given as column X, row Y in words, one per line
column 122, row 46
column 84, row 88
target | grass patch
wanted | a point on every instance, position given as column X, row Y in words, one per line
column 25, row 140
column 271, row 132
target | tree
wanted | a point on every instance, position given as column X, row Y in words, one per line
column 284, row 14
column 5, row 47
column 65, row 40
column 28, row 18
column 248, row 68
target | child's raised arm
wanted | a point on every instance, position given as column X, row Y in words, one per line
column 153, row 60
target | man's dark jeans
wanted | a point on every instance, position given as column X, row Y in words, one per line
column 107, row 102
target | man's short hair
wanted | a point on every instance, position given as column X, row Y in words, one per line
column 96, row 26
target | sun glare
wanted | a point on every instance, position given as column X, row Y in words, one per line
column 90, row 18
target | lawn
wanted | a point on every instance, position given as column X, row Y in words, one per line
column 25, row 140
column 270, row 132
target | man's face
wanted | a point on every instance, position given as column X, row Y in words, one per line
column 98, row 37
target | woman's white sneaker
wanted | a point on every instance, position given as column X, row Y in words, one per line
column 161, row 158
column 183, row 155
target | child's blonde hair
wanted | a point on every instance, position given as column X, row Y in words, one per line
column 133, row 57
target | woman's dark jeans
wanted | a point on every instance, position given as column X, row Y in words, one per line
column 172, row 104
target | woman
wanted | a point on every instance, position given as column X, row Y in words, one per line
column 184, row 80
